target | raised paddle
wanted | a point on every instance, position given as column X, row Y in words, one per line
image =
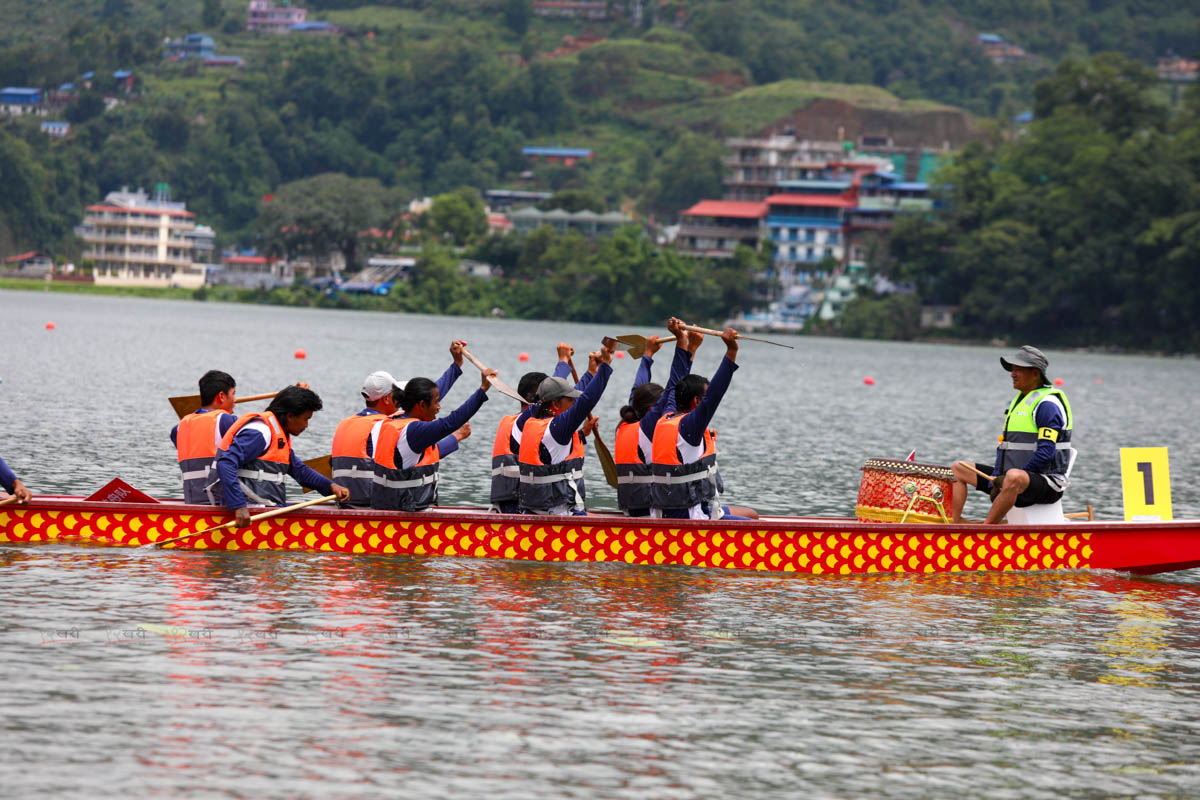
column 633, row 344
column 186, row 405
column 711, row 332
column 500, row 385
column 602, row 452
column 275, row 512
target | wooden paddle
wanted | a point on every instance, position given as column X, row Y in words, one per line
column 275, row 512
column 602, row 452
column 186, row 405
column 500, row 385
column 711, row 332
column 322, row 465
column 8, row 500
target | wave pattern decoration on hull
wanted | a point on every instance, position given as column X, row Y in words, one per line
column 801, row 545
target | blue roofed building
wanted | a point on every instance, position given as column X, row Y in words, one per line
column 16, row 101
column 194, row 45
column 567, row 155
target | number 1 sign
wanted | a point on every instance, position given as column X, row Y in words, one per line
column 1146, row 483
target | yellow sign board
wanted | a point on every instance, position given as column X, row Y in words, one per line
column 1146, row 483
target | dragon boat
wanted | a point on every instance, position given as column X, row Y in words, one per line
column 813, row 545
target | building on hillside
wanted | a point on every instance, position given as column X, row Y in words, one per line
column 133, row 240
column 264, row 15
column 503, row 199
column 59, row 130
column 589, row 223
column 714, row 228
column 1174, row 69
column 998, row 50
column 573, row 10
column 16, row 101
column 567, row 155
column 191, row 46
column 249, row 270
column 806, row 229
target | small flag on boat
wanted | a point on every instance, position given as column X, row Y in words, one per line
column 912, row 456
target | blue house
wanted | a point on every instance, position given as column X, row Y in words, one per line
column 18, row 100
column 194, row 45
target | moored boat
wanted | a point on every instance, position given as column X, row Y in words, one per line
column 814, row 545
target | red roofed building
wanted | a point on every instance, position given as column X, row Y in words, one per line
column 716, row 227
column 252, row 271
column 133, row 240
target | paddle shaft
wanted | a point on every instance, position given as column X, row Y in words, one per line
column 275, row 512
column 189, row 403
column 607, row 463
column 711, row 332
column 8, row 500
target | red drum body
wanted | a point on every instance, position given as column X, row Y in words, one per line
column 904, row 491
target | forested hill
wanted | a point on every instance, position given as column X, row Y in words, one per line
column 423, row 97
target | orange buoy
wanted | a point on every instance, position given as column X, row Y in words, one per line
column 1058, row 381
column 301, row 354
column 1099, row 380
column 869, row 381
column 49, row 326
column 619, row 354
column 523, row 357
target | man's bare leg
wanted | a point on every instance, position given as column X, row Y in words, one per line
column 1015, row 482
column 964, row 478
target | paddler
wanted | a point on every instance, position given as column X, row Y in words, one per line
column 1035, row 453
column 12, row 484
column 198, row 435
column 406, row 447
column 505, row 472
column 683, row 450
column 635, row 432
column 257, row 452
column 550, row 458
column 351, row 458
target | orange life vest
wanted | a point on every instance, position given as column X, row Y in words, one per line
column 505, row 473
column 262, row 480
column 549, row 486
column 633, row 474
column 398, row 488
column 196, row 441
column 676, row 484
column 351, row 465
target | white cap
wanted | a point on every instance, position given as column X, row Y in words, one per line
column 379, row 384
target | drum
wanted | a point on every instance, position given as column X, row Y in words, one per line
column 904, row 491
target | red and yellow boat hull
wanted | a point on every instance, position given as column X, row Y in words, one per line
column 810, row 545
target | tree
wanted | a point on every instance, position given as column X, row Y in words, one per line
column 517, row 14
column 458, row 215
column 574, row 200
column 323, row 213
column 212, row 13
column 1109, row 88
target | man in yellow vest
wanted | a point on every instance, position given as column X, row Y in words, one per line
column 1035, row 454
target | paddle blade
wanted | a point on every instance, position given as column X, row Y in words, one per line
column 118, row 491
column 606, row 460
column 185, row 405
column 636, row 345
column 321, row 465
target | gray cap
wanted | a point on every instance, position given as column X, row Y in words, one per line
column 1027, row 356
column 553, row 388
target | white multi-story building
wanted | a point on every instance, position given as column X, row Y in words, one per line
column 133, row 240
column 264, row 15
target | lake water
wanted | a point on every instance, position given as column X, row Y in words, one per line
column 285, row 675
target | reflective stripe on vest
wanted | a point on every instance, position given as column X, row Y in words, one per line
column 349, row 462
column 545, row 487
column 633, row 473
column 262, row 480
column 196, row 442
column 1020, row 438
column 398, row 488
column 679, row 485
column 506, row 476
